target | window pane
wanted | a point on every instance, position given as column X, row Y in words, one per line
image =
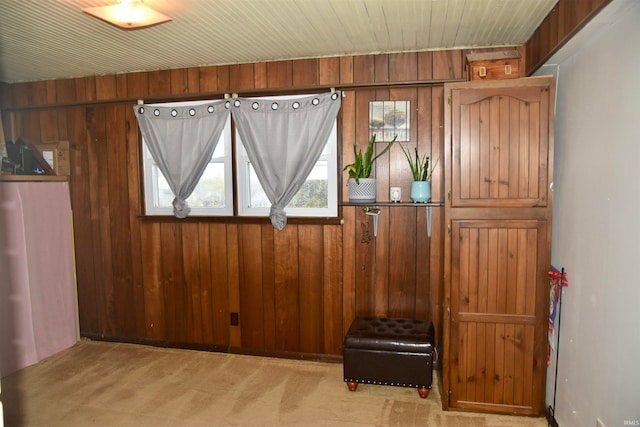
column 164, row 196
column 219, row 151
column 257, row 198
column 209, row 193
column 313, row 193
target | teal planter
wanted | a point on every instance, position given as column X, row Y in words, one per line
column 421, row 191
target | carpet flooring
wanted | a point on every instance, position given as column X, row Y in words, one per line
column 115, row 384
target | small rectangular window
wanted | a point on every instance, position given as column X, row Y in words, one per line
column 317, row 197
column 213, row 195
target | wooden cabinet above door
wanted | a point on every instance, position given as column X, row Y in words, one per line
column 500, row 143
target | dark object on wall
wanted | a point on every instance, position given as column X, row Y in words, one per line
column 20, row 156
column 8, row 167
column 27, row 159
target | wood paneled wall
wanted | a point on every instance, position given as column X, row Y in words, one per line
column 175, row 282
column 565, row 19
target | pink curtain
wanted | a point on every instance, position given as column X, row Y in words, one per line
column 38, row 303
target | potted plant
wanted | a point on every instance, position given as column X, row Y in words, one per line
column 421, row 173
column 362, row 188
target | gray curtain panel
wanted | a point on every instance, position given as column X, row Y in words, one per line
column 181, row 140
column 284, row 139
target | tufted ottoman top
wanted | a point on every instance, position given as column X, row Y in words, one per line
column 390, row 334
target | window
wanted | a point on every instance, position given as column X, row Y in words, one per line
column 317, row 197
column 213, row 196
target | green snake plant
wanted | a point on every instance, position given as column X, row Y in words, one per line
column 419, row 166
column 361, row 167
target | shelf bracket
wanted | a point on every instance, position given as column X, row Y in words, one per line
column 373, row 211
column 375, row 226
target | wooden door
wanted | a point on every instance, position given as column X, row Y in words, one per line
column 497, row 250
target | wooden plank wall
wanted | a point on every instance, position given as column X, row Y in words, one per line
column 565, row 19
column 174, row 282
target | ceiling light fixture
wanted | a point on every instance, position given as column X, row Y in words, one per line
column 128, row 14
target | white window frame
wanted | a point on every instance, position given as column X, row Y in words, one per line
column 330, row 155
column 151, row 182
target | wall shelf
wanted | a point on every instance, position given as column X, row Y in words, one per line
column 389, row 203
column 373, row 210
column 18, row 178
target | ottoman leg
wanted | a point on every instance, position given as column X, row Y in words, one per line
column 423, row 392
column 353, row 386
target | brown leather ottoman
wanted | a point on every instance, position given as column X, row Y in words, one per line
column 389, row 351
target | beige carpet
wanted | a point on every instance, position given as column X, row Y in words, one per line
column 112, row 384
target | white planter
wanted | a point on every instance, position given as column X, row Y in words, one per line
column 364, row 192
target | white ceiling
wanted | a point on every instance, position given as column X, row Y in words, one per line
column 53, row 39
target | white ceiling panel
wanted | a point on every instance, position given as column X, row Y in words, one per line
column 53, row 39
